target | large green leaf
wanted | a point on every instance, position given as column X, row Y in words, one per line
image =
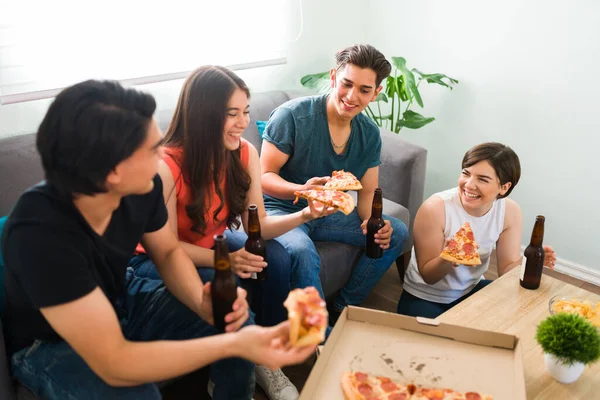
column 409, row 78
column 413, row 120
column 390, row 86
column 437, row 78
column 315, row 81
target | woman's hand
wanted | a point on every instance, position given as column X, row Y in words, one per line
column 549, row 257
column 244, row 263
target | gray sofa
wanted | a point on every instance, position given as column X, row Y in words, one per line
column 402, row 177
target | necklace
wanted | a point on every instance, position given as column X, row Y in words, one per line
column 340, row 146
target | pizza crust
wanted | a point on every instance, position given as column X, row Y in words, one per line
column 348, row 387
column 472, row 263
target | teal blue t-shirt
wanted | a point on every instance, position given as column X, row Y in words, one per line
column 299, row 129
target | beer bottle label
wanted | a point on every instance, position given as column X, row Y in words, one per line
column 523, row 266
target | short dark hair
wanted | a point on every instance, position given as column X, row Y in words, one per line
column 364, row 56
column 502, row 158
column 90, row 128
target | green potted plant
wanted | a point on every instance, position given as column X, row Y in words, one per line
column 569, row 343
column 400, row 93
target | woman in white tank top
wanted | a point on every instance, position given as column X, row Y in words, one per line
column 490, row 171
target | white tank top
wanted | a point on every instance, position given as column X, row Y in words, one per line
column 462, row 279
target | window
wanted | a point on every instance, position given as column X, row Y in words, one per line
column 47, row 45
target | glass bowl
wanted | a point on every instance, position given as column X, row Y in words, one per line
column 592, row 315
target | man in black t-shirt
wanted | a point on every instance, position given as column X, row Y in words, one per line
column 78, row 323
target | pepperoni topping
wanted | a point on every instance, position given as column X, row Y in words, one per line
column 365, row 389
column 452, row 244
column 398, row 396
column 468, row 248
column 470, row 235
column 361, row 377
column 388, row 386
column 472, row 396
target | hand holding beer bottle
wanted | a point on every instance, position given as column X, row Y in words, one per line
column 224, row 290
column 374, row 224
column 255, row 244
column 533, row 257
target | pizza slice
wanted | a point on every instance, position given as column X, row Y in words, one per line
column 332, row 198
column 462, row 248
column 342, row 180
column 423, row 393
column 361, row 386
column 307, row 315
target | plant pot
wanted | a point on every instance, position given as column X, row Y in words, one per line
column 562, row 372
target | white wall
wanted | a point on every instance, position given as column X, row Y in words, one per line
column 527, row 72
column 313, row 51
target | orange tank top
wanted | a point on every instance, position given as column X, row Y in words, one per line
column 184, row 197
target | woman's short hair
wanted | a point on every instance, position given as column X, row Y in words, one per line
column 501, row 157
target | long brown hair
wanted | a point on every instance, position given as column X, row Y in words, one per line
column 197, row 128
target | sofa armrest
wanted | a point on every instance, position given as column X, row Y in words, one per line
column 402, row 172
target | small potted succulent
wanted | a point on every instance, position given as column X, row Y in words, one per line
column 569, row 343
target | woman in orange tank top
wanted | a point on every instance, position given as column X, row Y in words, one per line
column 210, row 175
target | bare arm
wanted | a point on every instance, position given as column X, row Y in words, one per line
column 369, row 181
column 273, row 226
column 271, row 161
column 429, row 240
column 508, row 246
column 199, row 255
column 90, row 325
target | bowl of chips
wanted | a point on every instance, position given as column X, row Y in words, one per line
column 573, row 305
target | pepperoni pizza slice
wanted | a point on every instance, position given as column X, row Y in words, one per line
column 462, row 248
column 343, row 180
column 307, row 315
column 331, row 198
column 361, row 386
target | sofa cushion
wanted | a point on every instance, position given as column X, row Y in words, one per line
column 20, row 168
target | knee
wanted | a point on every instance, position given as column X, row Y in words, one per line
column 278, row 255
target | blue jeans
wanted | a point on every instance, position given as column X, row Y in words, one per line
column 414, row 306
column 266, row 298
column 345, row 229
column 147, row 311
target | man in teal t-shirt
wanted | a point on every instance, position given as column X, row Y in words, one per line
column 308, row 138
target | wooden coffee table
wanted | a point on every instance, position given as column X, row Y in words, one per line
column 504, row 306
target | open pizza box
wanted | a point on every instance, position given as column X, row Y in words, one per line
column 420, row 351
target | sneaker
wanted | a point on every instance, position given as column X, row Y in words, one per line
column 210, row 388
column 276, row 384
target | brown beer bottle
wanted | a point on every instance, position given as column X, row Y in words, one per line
column 255, row 243
column 374, row 224
column 224, row 285
column 533, row 257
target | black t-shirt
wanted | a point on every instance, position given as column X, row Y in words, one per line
column 52, row 256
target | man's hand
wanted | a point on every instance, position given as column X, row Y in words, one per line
column 244, row 263
column 234, row 319
column 383, row 236
column 316, row 210
column 316, row 183
column 270, row 346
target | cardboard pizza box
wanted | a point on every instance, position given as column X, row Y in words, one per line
column 420, row 351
